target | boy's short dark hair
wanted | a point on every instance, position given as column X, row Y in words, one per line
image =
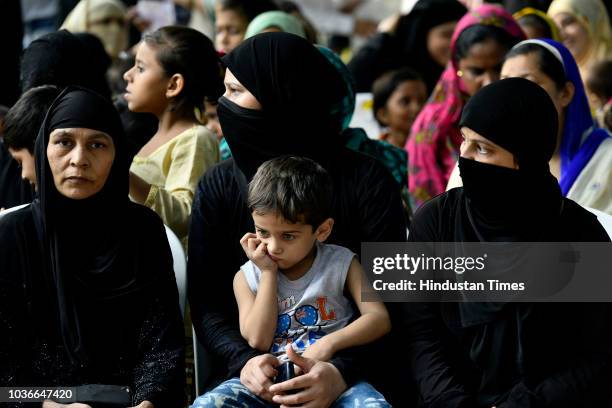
column 24, row 119
column 297, row 188
column 386, row 84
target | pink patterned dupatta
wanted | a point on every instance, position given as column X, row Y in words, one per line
column 433, row 145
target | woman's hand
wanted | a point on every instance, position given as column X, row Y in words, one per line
column 319, row 387
column 258, row 373
column 145, row 404
column 255, row 249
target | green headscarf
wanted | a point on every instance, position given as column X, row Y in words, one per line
column 284, row 21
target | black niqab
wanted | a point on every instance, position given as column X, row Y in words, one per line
column 297, row 88
column 519, row 116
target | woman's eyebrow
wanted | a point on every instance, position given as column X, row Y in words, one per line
column 97, row 135
column 483, row 141
column 234, row 84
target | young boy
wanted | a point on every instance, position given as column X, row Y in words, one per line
column 21, row 127
column 292, row 289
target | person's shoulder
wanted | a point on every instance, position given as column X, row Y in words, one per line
column 203, row 135
column 442, row 203
column 220, row 174
column 14, row 223
column 197, row 135
column 580, row 225
column 362, row 164
column 428, row 219
column 218, row 181
column 335, row 250
column 14, row 217
column 142, row 216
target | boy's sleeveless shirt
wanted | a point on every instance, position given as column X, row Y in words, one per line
column 313, row 305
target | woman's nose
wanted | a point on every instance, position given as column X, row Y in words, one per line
column 79, row 158
column 465, row 151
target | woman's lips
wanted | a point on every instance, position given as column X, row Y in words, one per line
column 77, row 180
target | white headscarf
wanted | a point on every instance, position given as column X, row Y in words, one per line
column 100, row 17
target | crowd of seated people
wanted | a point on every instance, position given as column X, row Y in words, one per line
column 493, row 124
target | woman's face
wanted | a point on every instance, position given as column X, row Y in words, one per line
column 574, row 35
column 528, row 66
column 237, row 93
column 230, row 29
column 481, row 149
column 146, row 83
column 439, row 41
column 80, row 160
column 481, row 65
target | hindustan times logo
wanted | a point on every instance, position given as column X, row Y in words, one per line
column 413, row 264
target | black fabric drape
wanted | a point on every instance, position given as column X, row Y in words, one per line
column 62, row 58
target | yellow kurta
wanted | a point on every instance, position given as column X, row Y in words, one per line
column 173, row 171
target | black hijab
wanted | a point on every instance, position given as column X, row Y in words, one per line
column 62, row 58
column 411, row 35
column 297, row 88
column 81, row 239
column 519, row 116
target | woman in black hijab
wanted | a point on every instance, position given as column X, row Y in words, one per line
column 282, row 97
column 62, row 58
column 86, row 298
column 508, row 354
column 421, row 40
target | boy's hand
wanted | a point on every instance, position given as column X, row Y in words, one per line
column 257, row 252
column 258, row 373
column 321, row 350
column 319, row 387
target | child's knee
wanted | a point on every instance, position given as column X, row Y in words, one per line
column 230, row 393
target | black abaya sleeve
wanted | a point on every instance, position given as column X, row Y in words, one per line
column 159, row 373
column 585, row 381
column 12, row 306
column 216, row 214
column 420, row 324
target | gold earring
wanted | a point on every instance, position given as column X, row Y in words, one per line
column 459, row 73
